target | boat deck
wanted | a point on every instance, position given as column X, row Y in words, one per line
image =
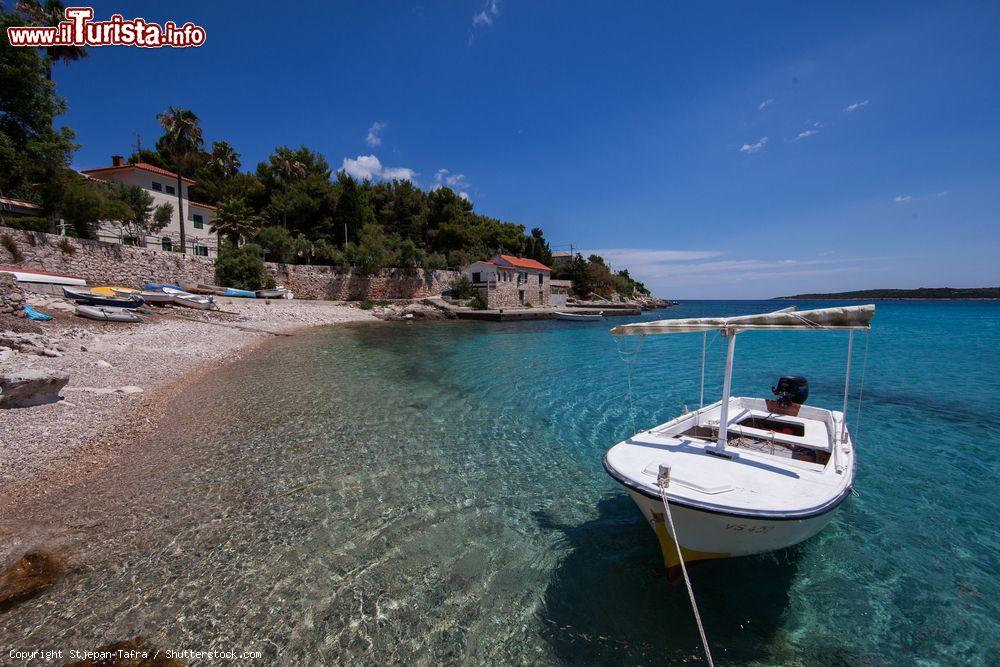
column 767, row 471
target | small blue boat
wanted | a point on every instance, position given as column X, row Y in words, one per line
column 232, row 291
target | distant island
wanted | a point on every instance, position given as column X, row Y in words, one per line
column 920, row 293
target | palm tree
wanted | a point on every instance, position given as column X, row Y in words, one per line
column 225, row 162
column 288, row 168
column 236, row 220
column 183, row 136
column 49, row 15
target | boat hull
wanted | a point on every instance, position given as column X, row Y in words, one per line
column 706, row 535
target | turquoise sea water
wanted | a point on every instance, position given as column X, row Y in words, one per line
column 435, row 493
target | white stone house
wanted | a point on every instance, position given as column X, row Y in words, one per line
column 507, row 281
column 162, row 186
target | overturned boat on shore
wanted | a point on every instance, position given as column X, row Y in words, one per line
column 743, row 475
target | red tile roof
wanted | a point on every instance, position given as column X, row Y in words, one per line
column 524, row 263
column 200, row 205
column 145, row 166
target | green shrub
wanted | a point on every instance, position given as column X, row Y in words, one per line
column 461, row 288
column 278, row 243
column 435, row 261
column 477, row 304
column 367, row 304
column 241, row 268
column 10, row 245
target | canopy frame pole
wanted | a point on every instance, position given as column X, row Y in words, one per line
column 726, row 388
column 704, row 342
column 847, row 386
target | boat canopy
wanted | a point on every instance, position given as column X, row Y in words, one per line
column 788, row 319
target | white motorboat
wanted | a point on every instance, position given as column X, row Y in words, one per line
column 580, row 317
column 742, row 475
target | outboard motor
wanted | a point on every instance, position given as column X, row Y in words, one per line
column 791, row 389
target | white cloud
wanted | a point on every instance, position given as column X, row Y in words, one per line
column 491, row 10
column 374, row 137
column 856, row 106
column 943, row 193
column 398, row 174
column 765, row 104
column 806, row 134
column 901, row 198
column 445, row 177
column 753, row 148
column 464, row 195
column 369, row 167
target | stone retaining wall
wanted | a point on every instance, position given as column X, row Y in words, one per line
column 11, row 296
column 100, row 262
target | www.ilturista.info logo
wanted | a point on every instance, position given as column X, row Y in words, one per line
column 79, row 29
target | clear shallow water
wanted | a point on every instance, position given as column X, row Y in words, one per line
column 435, row 493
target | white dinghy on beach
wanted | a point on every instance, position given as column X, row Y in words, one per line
column 742, row 475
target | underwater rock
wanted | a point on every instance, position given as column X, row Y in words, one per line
column 32, row 573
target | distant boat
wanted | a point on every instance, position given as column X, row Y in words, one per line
column 198, row 301
column 90, row 298
column 155, row 297
column 742, row 475
column 107, row 314
column 159, row 286
column 113, row 290
column 244, row 293
column 42, row 277
column 580, row 317
column 274, row 293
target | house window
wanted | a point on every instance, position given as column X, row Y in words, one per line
column 541, row 279
column 170, row 190
column 201, row 250
column 199, row 221
column 130, row 240
column 523, row 277
column 158, row 187
column 477, row 277
column 167, row 243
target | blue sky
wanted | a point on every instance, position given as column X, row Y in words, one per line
column 716, row 149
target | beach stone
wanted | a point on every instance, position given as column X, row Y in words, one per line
column 102, row 364
column 130, row 389
column 51, row 352
column 25, row 388
column 30, row 574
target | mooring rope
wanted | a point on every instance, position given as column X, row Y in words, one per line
column 663, row 480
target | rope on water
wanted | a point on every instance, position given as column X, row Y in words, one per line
column 663, row 480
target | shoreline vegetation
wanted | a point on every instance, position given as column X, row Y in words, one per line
column 924, row 293
column 292, row 208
